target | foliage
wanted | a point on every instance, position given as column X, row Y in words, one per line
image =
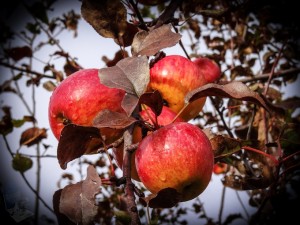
column 253, row 129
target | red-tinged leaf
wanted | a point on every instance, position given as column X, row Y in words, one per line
column 19, row 53
column 154, row 100
column 235, row 90
column 76, row 141
column 33, row 136
column 107, row 17
column 77, row 201
column 149, row 43
column 107, row 118
column 132, row 75
column 165, row 198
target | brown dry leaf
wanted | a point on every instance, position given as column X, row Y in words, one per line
column 107, row 118
column 149, row 43
column 165, row 198
column 33, row 136
column 77, row 201
column 236, row 90
column 107, row 17
column 76, row 141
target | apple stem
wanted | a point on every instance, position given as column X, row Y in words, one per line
column 129, row 186
column 276, row 162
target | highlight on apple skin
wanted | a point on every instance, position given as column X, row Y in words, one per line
column 179, row 156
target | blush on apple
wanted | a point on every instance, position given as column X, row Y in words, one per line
column 174, row 76
column 79, row 98
column 179, row 156
column 209, row 68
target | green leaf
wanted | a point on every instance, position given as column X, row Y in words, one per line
column 21, row 163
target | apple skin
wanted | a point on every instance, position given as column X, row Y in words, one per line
column 79, row 98
column 179, row 156
column 166, row 117
column 174, row 76
column 210, row 69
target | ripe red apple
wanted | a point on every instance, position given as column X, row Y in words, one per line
column 79, row 98
column 166, row 117
column 209, row 68
column 174, row 76
column 179, row 156
column 220, row 168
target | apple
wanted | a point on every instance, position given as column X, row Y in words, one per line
column 220, row 168
column 179, row 156
column 166, row 117
column 174, row 76
column 79, row 98
column 210, row 69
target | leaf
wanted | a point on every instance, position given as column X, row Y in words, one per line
column 33, row 136
column 76, row 141
column 19, row 53
column 6, row 123
column 224, row 146
column 49, row 85
column 107, row 118
column 107, row 17
column 149, row 43
column 77, row 201
column 165, row 198
column 21, row 163
column 154, row 100
column 235, row 90
column 132, row 75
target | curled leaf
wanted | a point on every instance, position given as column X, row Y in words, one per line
column 33, row 136
column 235, row 90
column 107, row 17
column 149, row 43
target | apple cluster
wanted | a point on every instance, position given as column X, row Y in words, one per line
column 177, row 154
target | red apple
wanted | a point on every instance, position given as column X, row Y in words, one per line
column 79, row 98
column 179, row 156
column 220, row 168
column 174, row 76
column 209, row 68
column 166, row 117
